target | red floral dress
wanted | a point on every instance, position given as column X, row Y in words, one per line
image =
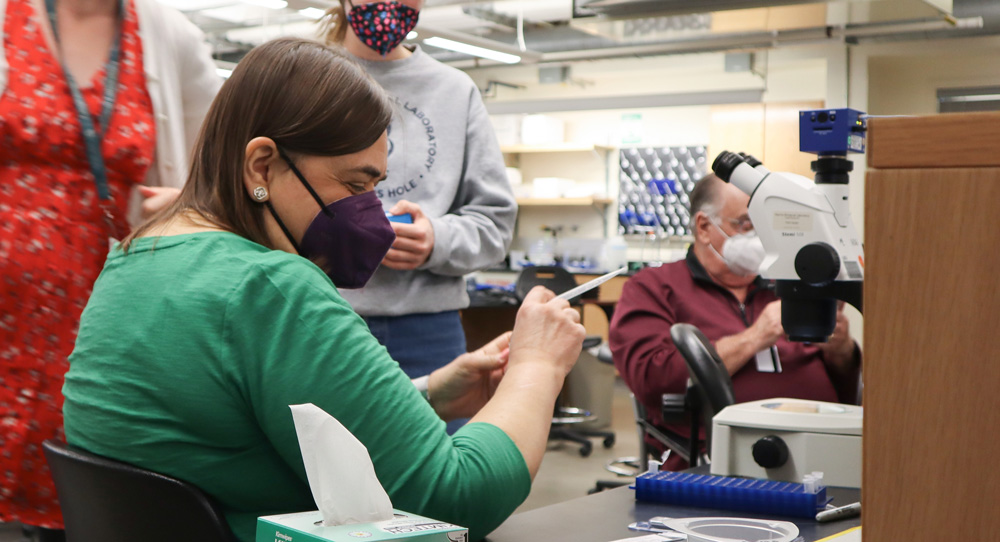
column 53, row 238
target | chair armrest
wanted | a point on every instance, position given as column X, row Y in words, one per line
column 679, row 445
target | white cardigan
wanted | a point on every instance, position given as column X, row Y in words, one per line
column 181, row 81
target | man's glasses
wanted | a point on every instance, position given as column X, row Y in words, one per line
column 741, row 224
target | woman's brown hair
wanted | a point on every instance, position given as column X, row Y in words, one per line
column 333, row 24
column 311, row 99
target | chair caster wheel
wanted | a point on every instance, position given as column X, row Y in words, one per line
column 586, row 449
column 609, row 441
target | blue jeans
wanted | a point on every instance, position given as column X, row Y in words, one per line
column 421, row 342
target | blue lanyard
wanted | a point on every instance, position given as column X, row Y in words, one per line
column 91, row 138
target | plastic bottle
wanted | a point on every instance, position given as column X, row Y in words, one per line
column 615, row 254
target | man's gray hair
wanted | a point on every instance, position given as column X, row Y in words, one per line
column 707, row 196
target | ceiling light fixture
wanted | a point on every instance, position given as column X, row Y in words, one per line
column 312, row 13
column 194, row 5
column 473, row 50
column 270, row 4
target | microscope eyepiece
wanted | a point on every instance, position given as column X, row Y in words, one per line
column 725, row 163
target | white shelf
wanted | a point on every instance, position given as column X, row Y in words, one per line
column 562, row 202
column 586, row 164
column 561, row 147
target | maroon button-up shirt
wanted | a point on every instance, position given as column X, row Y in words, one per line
column 656, row 298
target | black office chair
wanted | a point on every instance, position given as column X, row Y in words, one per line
column 103, row 500
column 555, row 278
column 712, row 386
column 564, row 418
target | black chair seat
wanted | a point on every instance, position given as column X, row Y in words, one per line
column 104, row 500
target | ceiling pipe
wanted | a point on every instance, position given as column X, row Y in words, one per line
column 750, row 40
column 878, row 29
column 618, row 9
column 758, row 40
column 638, row 101
column 755, row 40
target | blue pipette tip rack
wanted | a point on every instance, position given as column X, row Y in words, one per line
column 738, row 494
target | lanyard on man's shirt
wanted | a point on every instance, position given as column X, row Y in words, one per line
column 91, row 139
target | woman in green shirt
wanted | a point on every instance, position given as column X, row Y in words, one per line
column 221, row 311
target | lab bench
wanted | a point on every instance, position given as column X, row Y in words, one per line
column 605, row 516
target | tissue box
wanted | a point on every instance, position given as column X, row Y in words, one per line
column 308, row 527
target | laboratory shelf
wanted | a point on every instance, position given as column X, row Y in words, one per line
column 555, row 147
column 562, row 202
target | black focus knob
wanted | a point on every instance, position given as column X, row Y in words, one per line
column 725, row 163
column 817, row 264
column 750, row 160
column 770, row 452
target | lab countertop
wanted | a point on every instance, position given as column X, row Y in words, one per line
column 594, row 272
column 605, row 516
column 486, row 297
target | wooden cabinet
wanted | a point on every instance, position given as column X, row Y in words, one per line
column 932, row 329
column 764, row 131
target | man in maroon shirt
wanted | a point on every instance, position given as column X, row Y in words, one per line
column 716, row 289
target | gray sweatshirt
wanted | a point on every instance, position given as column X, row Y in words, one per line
column 443, row 155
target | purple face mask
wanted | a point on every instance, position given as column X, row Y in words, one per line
column 348, row 238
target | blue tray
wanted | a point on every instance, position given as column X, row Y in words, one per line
column 739, row 494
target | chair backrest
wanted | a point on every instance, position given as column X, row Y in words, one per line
column 554, row 278
column 711, row 379
column 103, row 500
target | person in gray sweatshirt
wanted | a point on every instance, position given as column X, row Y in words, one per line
column 445, row 170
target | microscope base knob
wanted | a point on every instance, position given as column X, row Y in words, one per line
column 770, row 452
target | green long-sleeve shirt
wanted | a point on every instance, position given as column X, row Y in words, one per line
column 192, row 347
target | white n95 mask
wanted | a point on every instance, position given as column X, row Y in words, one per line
column 742, row 253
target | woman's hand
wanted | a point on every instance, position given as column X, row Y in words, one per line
column 461, row 388
column 544, row 347
column 414, row 242
column 547, row 331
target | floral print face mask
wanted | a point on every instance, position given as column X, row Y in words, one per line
column 382, row 26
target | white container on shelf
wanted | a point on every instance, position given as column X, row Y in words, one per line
column 507, row 129
column 542, row 130
column 523, row 190
column 550, row 187
column 614, row 254
column 517, row 259
column 584, row 190
column 514, row 176
column 542, row 252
